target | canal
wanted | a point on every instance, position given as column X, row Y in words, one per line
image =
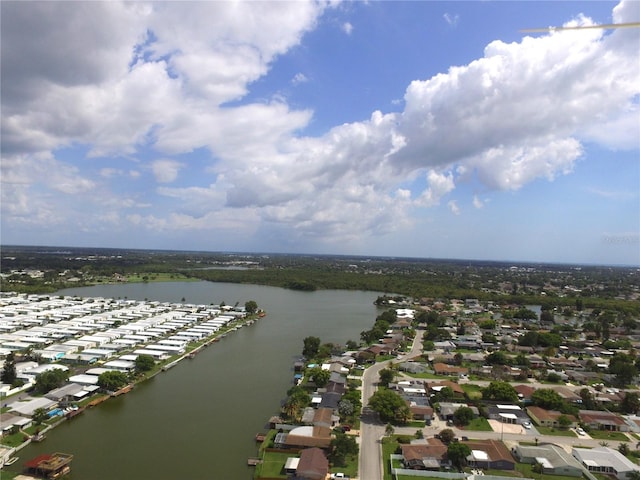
column 198, row 420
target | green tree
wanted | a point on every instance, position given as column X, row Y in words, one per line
column 251, row 307
column 547, row 399
column 498, row 358
column 320, row 377
column 447, row 436
column 623, row 368
column 345, row 408
column 500, row 391
column 630, row 403
column 39, row 416
column 588, row 400
column 9, row 374
column 144, row 363
column 341, row 447
column 311, row 347
column 351, row 345
column 623, row 448
column 388, row 430
column 386, row 376
column 390, row 406
column 112, row 381
column 50, row 380
column 564, row 421
column 457, row 454
column 462, row 416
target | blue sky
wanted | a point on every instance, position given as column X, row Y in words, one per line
column 423, row 129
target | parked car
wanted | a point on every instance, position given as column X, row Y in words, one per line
column 526, row 425
column 580, row 431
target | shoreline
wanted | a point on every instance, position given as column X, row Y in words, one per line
column 192, row 349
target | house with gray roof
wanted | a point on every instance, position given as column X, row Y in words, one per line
column 605, row 460
column 552, row 459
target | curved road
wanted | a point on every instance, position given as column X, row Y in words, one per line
column 371, row 428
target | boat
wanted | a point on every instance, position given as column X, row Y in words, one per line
column 11, row 461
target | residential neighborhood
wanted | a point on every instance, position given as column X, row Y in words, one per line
column 460, row 387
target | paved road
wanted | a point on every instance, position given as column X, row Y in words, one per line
column 371, row 428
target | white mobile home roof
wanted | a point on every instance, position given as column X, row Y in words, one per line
column 166, row 348
column 84, row 379
column 153, row 353
column 120, row 365
column 27, row 408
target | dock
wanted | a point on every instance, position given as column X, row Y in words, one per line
column 252, row 462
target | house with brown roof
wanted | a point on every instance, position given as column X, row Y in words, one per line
column 313, row 465
column 603, row 421
column 549, row 418
column 323, row 417
column 434, row 387
column 524, row 392
column 427, row 455
column 444, row 369
column 305, row 437
column 490, row 454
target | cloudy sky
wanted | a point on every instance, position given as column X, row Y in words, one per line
column 423, row 129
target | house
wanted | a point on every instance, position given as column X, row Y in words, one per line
column 427, row 455
column 552, row 459
column 549, row 418
column 313, row 465
column 603, row 421
column 323, row 417
column 508, row 414
column 435, row 387
column 605, row 460
column 524, row 392
column 490, row 454
column 444, row 369
column 305, row 436
column 419, row 408
column 447, row 409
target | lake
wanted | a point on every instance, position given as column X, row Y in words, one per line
column 198, row 420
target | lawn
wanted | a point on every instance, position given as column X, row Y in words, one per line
column 473, row 392
column 526, row 470
column 14, row 440
column 479, row 424
column 389, row 446
column 555, row 431
column 605, row 435
column 273, row 465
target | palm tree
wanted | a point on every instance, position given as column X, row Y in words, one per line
column 388, row 430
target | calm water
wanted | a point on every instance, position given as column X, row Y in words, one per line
column 198, row 420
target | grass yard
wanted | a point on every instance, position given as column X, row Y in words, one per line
column 473, row 392
column 389, row 446
column 273, row 465
column 555, row 431
column 479, row 424
column 605, row 435
column 526, row 470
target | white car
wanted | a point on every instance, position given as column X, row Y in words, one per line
column 337, row 475
column 526, row 425
column 580, row 431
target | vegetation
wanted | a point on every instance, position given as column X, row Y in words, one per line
column 144, row 363
column 390, row 406
column 600, row 287
column 50, row 380
column 112, row 381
